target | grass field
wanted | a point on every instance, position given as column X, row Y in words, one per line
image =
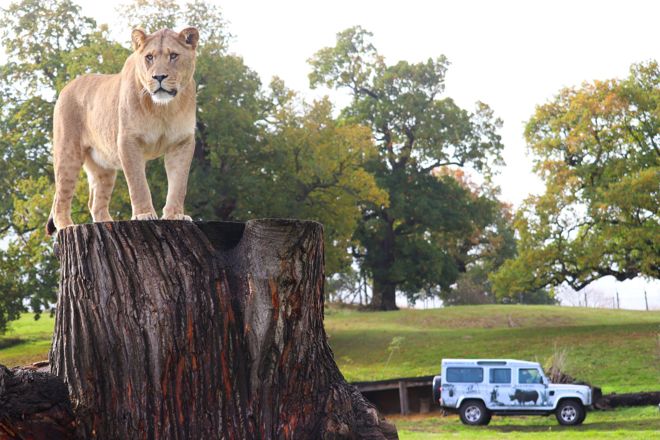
column 629, row 423
column 27, row 340
column 617, row 350
column 614, row 349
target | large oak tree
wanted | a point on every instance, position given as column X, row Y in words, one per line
column 404, row 246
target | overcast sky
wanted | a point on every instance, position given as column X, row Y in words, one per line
column 512, row 55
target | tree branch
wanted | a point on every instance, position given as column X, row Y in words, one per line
column 406, row 151
column 438, row 163
column 368, row 92
column 387, row 139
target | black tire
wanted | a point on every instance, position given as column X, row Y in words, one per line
column 570, row 413
column 437, row 382
column 474, row 413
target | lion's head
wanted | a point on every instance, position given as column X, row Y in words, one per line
column 166, row 61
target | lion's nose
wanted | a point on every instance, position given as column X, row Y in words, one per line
column 160, row 78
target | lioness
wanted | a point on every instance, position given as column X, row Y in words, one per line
column 109, row 122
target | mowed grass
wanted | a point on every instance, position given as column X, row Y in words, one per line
column 34, row 336
column 615, row 349
column 630, row 423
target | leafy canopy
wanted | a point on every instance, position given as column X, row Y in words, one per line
column 597, row 148
column 46, row 43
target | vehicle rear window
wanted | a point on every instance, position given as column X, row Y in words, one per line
column 465, row 374
column 500, row 375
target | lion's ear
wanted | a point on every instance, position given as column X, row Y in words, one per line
column 137, row 37
column 190, row 36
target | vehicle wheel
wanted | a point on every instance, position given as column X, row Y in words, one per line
column 474, row 412
column 437, row 382
column 570, row 412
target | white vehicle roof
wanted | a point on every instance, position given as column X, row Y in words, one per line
column 488, row 363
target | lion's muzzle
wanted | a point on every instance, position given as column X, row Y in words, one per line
column 172, row 92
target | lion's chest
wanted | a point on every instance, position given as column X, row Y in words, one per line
column 161, row 137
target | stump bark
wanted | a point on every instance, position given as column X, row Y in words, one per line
column 180, row 330
column 34, row 405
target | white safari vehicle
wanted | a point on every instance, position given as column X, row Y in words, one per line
column 479, row 388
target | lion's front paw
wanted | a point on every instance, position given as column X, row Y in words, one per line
column 176, row 217
column 146, row 216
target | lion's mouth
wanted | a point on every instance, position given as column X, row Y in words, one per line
column 169, row 92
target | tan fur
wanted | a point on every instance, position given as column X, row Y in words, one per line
column 109, row 122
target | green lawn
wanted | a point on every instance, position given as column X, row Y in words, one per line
column 34, row 337
column 614, row 349
column 629, row 423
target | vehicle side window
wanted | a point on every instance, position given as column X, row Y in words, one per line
column 529, row 375
column 500, row 375
column 465, row 374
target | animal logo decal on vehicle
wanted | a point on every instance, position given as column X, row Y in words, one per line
column 523, row 396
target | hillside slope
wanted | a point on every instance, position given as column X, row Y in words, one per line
column 615, row 349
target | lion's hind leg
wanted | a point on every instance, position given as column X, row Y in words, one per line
column 101, row 183
column 67, row 163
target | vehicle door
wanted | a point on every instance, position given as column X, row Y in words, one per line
column 530, row 390
column 500, row 387
column 460, row 382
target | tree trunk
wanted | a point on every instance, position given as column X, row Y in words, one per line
column 383, row 296
column 178, row 330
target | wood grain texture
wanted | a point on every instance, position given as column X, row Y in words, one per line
column 179, row 330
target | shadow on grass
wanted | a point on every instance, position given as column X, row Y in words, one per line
column 623, row 425
column 10, row 342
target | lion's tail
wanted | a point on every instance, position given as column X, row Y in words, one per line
column 50, row 224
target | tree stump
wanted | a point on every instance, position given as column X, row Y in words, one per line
column 34, row 405
column 180, row 330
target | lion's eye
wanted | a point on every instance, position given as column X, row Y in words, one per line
column 174, row 56
column 149, row 58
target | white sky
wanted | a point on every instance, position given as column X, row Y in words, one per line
column 512, row 55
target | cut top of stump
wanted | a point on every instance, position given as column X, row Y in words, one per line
column 263, row 241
